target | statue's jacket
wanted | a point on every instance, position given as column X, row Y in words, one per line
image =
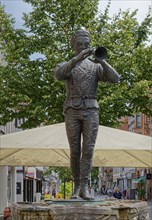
column 81, row 83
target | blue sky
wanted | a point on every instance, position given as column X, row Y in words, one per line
column 17, row 7
column 116, row 5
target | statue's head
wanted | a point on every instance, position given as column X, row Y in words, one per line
column 80, row 40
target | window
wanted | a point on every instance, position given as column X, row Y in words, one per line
column 138, row 121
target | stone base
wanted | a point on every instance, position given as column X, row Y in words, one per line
column 82, row 210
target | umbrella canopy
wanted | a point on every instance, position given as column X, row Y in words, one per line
column 48, row 146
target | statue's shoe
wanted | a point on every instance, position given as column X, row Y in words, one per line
column 76, row 194
column 86, row 195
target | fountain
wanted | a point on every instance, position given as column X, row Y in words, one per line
column 108, row 209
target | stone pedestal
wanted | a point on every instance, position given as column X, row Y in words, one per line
column 82, row 210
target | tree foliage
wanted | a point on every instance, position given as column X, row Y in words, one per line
column 66, row 189
column 95, row 173
column 64, row 173
column 28, row 87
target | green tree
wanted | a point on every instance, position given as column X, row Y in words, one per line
column 64, row 173
column 28, row 87
column 95, row 173
column 66, row 189
column 126, row 41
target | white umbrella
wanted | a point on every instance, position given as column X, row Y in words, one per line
column 48, row 146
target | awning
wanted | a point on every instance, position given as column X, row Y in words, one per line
column 139, row 179
column 48, row 146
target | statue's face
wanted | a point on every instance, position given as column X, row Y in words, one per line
column 81, row 43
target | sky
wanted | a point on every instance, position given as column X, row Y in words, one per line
column 17, row 7
column 116, row 5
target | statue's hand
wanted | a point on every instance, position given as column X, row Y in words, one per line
column 83, row 54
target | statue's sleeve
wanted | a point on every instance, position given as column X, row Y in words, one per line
column 99, row 72
column 63, row 70
column 107, row 73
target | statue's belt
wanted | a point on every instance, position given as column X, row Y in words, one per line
column 82, row 101
column 83, row 97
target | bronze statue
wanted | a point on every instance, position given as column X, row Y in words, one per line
column 81, row 109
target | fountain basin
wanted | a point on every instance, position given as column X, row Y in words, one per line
column 109, row 209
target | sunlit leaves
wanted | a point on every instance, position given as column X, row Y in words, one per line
column 28, row 87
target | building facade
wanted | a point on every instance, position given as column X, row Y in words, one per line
column 135, row 183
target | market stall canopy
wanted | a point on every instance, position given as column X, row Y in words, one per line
column 48, row 146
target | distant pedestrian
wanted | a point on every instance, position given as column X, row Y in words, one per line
column 102, row 190
column 117, row 194
column 110, row 192
column 54, row 193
